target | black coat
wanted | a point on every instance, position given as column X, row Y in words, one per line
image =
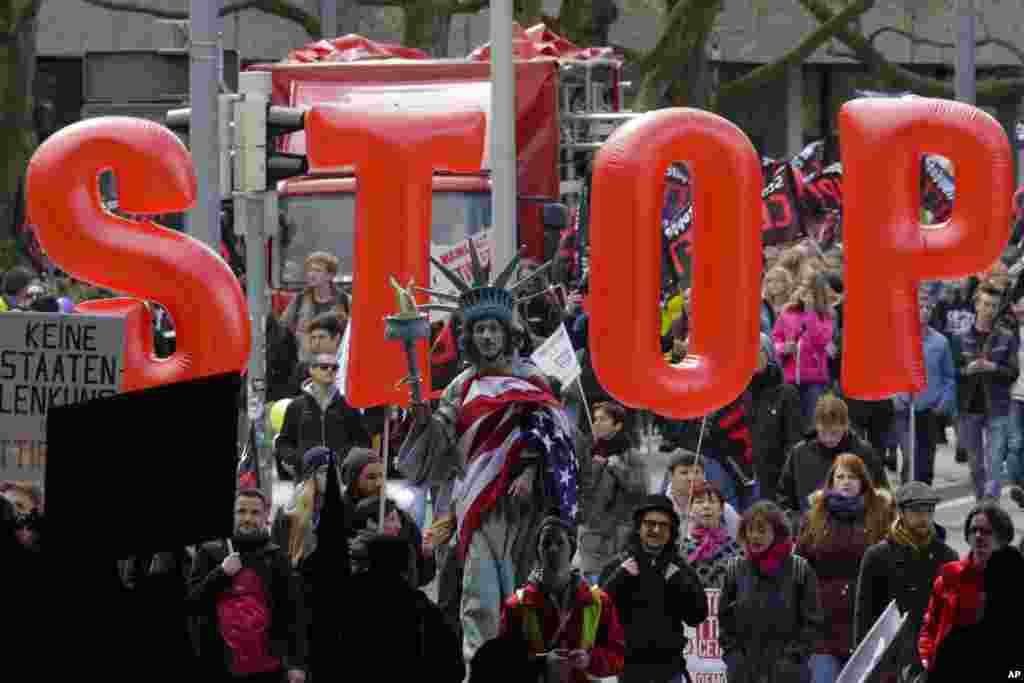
column 654, row 606
column 306, row 425
column 776, row 427
column 890, row 571
column 990, row 649
column 768, row 625
column 807, row 467
column 288, row 632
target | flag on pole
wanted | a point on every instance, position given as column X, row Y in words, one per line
column 556, row 358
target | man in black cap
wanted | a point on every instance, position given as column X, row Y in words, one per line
column 657, row 593
column 903, row 568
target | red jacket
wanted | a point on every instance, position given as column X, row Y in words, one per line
column 608, row 653
column 954, row 602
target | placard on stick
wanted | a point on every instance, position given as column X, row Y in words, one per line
column 162, row 460
column 48, row 360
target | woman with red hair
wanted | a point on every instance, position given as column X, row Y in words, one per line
column 845, row 518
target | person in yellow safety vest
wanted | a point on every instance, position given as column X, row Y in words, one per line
column 571, row 628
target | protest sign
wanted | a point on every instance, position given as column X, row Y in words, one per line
column 703, row 653
column 872, row 655
column 46, row 360
column 556, row 357
column 456, row 257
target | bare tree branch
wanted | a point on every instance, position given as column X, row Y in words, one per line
column 990, row 89
column 769, row 72
column 919, row 40
column 278, row 8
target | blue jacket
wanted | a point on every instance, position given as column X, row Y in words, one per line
column 940, row 392
column 994, row 386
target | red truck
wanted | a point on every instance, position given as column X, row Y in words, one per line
column 555, row 78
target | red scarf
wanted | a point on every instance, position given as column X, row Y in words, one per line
column 770, row 561
column 709, row 541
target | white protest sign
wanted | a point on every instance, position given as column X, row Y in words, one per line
column 703, row 653
column 341, row 381
column 556, row 357
column 50, row 359
column 456, row 257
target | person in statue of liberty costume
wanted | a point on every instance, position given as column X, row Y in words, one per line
column 498, row 446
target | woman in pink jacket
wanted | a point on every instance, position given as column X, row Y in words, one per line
column 803, row 341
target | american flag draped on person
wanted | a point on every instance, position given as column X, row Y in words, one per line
column 498, row 449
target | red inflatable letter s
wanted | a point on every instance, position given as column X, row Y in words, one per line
column 154, row 176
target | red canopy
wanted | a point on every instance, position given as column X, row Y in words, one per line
column 352, row 48
column 540, row 41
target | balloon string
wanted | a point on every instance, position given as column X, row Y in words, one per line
column 689, row 497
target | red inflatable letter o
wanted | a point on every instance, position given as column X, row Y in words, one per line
column 887, row 251
column 628, row 190
column 154, row 176
column 395, row 155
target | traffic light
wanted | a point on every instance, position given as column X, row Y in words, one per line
column 248, row 133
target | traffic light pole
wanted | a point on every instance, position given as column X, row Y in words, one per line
column 255, row 213
column 203, row 84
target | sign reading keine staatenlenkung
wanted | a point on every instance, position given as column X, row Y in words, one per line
column 50, row 359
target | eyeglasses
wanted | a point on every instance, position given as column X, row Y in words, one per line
column 333, row 367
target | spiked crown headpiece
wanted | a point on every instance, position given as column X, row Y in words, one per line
column 481, row 299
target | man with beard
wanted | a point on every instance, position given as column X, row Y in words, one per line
column 571, row 628
column 247, row 599
column 903, row 568
column 656, row 593
column 500, row 446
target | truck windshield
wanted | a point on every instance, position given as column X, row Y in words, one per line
column 326, row 222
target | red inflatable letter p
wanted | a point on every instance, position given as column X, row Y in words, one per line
column 888, row 251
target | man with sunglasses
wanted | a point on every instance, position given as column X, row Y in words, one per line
column 320, row 416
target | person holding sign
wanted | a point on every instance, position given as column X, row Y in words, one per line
column 769, row 619
column 903, row 568
column 708, row 549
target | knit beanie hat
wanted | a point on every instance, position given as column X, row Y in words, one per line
column 355, row 461
column 315, row 458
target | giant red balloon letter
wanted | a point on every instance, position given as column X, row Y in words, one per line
column 154, row 176
column 887, row 251
column 628, row 191
column 395, row 155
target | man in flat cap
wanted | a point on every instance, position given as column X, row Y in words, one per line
column 903, row 568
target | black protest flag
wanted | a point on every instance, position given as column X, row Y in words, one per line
column 330, row 571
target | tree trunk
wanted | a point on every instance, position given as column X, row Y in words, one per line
column 427, row 26
column 587, row 22
column 349, row 19
column 528, row 12
column 17, row 74
column 441, row 31
column 676, row 71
